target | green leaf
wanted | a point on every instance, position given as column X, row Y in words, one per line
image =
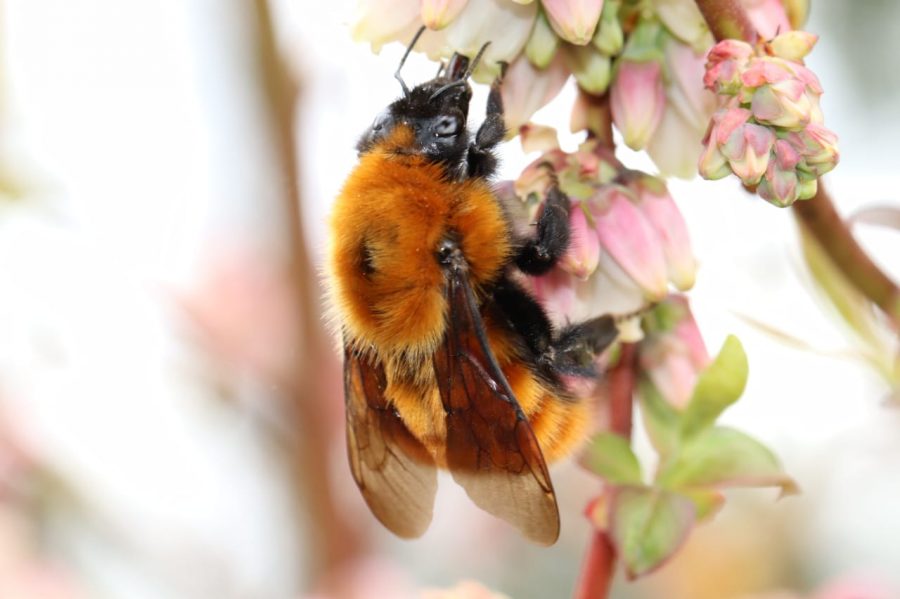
column 660, row 419
column 648, row 526
column 719, row 386
column 610, row 456
column 707, row 502
column 724, row 457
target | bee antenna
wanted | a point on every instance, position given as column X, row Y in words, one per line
column 475, row 61
column 405, row 56
column 462, row 80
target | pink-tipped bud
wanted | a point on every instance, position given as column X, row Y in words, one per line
column 819, row 149
column 783, row 104
column 637, row 101
column 674, row 358
column 747, row 150
column 658, row 207
column 779, row 186
column 583, row 254
column 574, row 20
column 713, row 165
column 724, row 65
column 630, row 239
column 437, row 14
column 793, row 45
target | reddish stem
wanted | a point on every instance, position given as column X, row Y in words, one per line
column 727, row 19
column 599, row 563
column 820, row 218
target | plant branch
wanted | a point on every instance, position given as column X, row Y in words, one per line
column 599, row 563
column 820, row 218
column 727, row 19
column 337, row 541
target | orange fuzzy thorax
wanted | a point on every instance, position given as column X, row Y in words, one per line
column 399, row 207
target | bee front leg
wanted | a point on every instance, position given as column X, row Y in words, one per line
column 481, row 159
column 540, row 253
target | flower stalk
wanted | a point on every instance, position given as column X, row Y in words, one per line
column 600, row 560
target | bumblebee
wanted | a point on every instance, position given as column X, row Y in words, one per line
column 449, row 363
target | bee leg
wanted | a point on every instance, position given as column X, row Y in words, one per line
column 570, row 351
column 576, row 346
column 539, row 254
column 525, row 316
column 481, row 159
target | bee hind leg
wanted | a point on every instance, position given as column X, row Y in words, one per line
column 568, row 351
column 576, row 346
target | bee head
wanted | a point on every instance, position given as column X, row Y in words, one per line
column 434, row 113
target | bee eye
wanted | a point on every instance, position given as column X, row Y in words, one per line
column 446, row 126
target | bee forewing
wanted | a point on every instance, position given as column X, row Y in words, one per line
column 491, row 450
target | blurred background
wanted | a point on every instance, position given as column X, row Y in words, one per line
column 171, row 412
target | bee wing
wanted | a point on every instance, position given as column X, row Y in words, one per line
column 394, row 471
column 491, row 450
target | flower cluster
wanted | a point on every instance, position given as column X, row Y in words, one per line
column 629, row 240
column 769, row 129
column 648, row 56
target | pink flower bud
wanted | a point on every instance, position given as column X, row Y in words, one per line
column 437, row 14
column 713, row 165
column 818, row 146
column 658, row 207
column 584, row 247
column 747, row 150
column 637, row 101
column 630, row 239
column 526, row 89
column 793, row 45
column 574, row 20
column 779, row 186
column 674, row 358
column 783, row 104
column 724, row 65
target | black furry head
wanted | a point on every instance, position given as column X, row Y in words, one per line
column 436, row 111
